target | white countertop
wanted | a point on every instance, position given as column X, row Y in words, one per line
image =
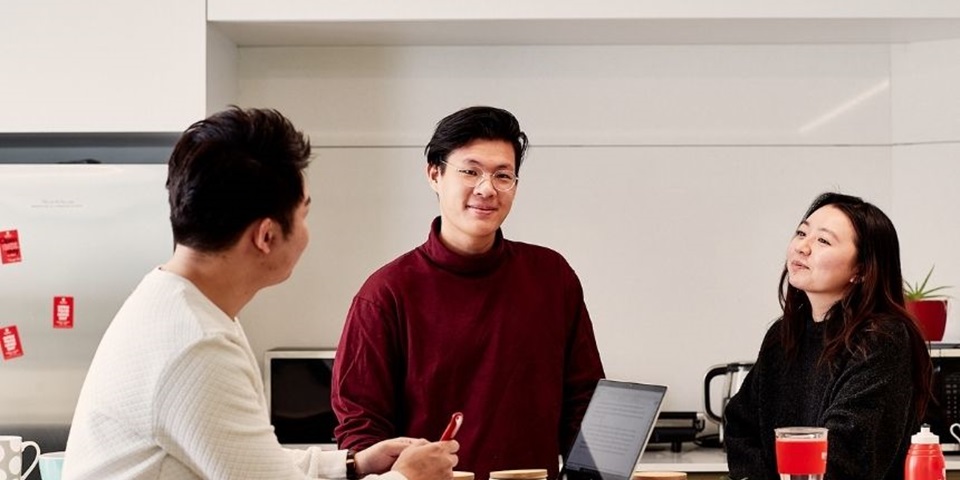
column 696, row 459
column 690, row 459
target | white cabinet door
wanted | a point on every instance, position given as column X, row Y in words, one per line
column 101, row 65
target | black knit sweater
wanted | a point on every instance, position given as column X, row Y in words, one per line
column 865, row 401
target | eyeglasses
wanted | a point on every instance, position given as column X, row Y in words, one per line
column 501, row 180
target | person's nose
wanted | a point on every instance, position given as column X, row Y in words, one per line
column 485, row 187
column 802, row 246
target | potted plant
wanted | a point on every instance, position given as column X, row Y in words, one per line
column 928, row 306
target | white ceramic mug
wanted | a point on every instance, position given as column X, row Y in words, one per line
column 955, row 434
column 11, row 457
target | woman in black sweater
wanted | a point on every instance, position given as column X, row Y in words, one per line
column 845, row 355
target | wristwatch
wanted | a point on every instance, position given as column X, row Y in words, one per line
column 352, row 465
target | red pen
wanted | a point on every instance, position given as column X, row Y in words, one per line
column 453, row 427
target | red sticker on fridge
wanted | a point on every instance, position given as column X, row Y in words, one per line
column 9, row 246
column 10, row 342
column 62, row 312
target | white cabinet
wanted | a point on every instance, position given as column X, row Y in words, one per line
column 102, row 66
column 576, row 22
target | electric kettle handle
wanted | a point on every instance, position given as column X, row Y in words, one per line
column 713, row 372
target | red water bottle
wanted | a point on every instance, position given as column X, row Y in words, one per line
column 924, row 459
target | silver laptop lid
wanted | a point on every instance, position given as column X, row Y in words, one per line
column 615, row 429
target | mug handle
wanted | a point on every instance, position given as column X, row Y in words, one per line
column 36, row 459
column 952, row 433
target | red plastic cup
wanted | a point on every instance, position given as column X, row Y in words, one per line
column 801, row 452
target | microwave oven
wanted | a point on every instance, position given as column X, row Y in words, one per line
column 944, row 409
column 297, row 384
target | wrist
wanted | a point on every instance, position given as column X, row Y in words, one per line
column 352, row 470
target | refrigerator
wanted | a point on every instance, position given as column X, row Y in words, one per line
column 75, row 240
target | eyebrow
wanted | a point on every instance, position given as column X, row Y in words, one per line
column 822, row 229
column 496, row 168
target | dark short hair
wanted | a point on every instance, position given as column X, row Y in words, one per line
column 232, row 169
column 475, row 123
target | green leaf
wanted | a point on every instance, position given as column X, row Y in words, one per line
column 919, row 291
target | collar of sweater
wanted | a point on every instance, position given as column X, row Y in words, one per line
column 473, row 265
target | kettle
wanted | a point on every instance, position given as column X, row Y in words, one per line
column 733, row 374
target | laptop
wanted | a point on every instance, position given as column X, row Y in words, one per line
column 615, row 430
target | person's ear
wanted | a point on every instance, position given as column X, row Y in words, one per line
column 433, row 176
column 264, row 234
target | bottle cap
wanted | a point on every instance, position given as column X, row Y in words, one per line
column 925, row 437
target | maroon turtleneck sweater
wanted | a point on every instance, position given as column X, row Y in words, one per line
column 503, row 337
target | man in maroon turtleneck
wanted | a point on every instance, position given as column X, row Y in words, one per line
column 470, row 321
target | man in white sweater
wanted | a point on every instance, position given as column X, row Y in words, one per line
column 174, row 390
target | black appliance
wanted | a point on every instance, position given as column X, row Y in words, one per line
column 944, row 410
column 298, row 384
column 677, row 427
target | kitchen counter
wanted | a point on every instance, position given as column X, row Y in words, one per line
column 691, row 459
column 694, row 459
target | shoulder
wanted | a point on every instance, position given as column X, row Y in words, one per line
column 886, row 330
column 537, row 254
column 773, row 335
column 396, row 268
column 214, row 359
column 887, row 336
column 884, row 341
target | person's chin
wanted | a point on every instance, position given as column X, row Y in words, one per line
column 482, row 229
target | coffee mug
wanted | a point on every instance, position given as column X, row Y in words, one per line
column 51, row 465
column 11, row 457
column 955, row 434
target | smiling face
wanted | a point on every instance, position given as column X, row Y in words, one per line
column 822, row 257
column 470, row 216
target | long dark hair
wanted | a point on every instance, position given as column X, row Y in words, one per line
column 876, row 296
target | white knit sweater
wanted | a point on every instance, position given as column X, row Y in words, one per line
column 174, row 392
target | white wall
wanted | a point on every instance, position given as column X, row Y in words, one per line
column 671, row 177
column 926, row 170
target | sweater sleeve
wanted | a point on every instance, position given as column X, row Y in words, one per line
column 583, row 367
column 364, row 391
column 331, row 464
column 209, row 416
column 742, row 430
column 870, row 413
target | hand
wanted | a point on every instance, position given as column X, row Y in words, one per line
column 381, row 456
column 432, row 461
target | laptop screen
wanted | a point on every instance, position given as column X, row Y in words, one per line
column 614, row 431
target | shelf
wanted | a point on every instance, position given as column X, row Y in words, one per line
column 51, row 148
column 567, row 22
